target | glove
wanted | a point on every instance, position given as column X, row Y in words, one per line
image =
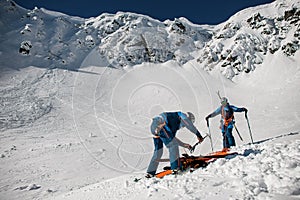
column 246, row 111
column 200, row 139
column 188, row 146
column 206, row 118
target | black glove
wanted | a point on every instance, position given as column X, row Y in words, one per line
column 206, row 118
column 200, row 139
column 246, row 111
column 188, row 146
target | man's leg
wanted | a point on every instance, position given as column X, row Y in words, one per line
column 157, row 154
column 174, row 154
column 225, row 138
column 230, row 138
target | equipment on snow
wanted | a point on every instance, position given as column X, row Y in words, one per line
column 193, row 147
column 249, row 127
column 194, row 162
column 137, row 179
column 223, row 100
column 211, row 143
column 209, row 135
column 238, row 132
column 218, row 93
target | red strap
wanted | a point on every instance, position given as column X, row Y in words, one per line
column 226, row 121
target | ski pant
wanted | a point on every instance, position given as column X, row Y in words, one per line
column 228, row 139
column 173, row 148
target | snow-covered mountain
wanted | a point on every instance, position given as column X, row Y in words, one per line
column 77, row 97
column 126, row 39
column 242, row 42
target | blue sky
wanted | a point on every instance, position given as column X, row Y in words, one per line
column 197, row 11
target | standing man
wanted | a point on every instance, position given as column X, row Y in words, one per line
column 227, row 121
column 164, row 128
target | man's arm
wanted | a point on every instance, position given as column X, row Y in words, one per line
column 236, row 109
column 190, row 126
column 182, row 144
column 213, row 114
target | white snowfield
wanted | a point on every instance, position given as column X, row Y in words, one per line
column 267, row 170
column 77, row 97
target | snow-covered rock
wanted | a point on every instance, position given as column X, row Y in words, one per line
column 245, row 40
column 127, row 39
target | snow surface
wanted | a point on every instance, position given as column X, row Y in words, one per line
column 75, row 125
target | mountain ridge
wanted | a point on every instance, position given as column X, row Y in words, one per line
column 124, row 39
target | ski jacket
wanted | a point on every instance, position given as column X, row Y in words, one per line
column 227, row 116
column 173, row 122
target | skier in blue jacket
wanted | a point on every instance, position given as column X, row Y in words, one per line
column 164, row 128
column 227, row 121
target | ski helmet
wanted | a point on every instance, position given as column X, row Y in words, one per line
column 224, row 100
column 191, row 116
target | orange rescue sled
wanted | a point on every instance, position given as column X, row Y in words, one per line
column 195, row 162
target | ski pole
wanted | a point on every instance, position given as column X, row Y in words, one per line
column 209, row 135
column 193, row 147
column 249, row 127
column 238, row 132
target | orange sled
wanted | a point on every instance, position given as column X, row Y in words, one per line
column 195, row 162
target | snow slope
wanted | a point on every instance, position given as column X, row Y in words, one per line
column 254, row 174
column 268, row 169
column 75, row 125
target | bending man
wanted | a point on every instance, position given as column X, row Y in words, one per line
column 164, row 128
